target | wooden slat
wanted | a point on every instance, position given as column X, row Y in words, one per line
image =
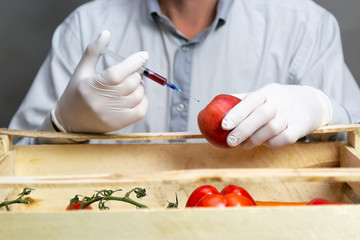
column 145, row 136
column 134, row 158
column 7, row 168
column 251, row 223
column 199, row 176
column 348, row 190
column 338, row 128
column 353, row 139
column 87, row 136
column 5, row 144
column 349, row 159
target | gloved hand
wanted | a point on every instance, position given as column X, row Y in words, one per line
column 104, row 102
column 277, row 115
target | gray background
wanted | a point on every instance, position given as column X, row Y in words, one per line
column 26, row 28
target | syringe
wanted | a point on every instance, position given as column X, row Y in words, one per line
column 149, row 74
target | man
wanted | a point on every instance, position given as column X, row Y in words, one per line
column 282, row 57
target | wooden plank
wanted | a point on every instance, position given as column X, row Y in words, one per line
column 337, row 128
column 349, row 192
column 349, row 159
column 7, row 168
column 266, row 223
column 353, row 139
column 145, row 136
column 136, row 158
column 7, row 164
column 84, row 137
column 199, row 176
column 5, row 144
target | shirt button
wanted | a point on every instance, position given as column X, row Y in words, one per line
column 180, row 107
column 185, row 48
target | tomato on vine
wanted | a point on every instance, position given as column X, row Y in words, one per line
column 321, row 201
column 238, row 190
column 105, row 195
column 199, row 193
column 236, row 200
column 77, row 206
column 220, row 201
column 211, row 200
column 230, row 196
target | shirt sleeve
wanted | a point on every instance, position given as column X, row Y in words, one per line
column 51, row 79
column 319, row 62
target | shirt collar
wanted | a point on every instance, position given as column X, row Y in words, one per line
column 153, row 9
column 223, row 9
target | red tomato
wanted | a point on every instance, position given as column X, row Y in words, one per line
column 219, row 201
column 212, row 200
column 321, row 201
column 77, row 206
column 230, row 196
column 236, row 200
column 200, row 192
column 238, row 190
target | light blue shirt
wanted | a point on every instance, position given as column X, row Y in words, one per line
column 251, row 43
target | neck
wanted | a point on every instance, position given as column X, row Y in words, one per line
column 190, row 17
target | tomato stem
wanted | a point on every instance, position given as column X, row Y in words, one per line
column 173, row 204
column 111, row 198
column 106, row 195
column 25, row 192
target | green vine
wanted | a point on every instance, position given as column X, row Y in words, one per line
column 175, row 204
column 104, row 196
column 25, row 192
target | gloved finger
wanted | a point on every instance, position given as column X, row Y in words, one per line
column 135, row 113
column 87, row 64
column 238, row 113
column 240, row 95
column 130, row 100
column 118, row 73
column 289, row 136
column 130, row 84
column 268, row 131
column 262, row 115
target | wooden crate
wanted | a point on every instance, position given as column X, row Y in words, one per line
column 298, row 172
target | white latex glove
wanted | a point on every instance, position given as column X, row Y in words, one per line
column 103, row 102
column 277, row 115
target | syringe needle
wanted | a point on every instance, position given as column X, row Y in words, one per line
column 188, row 95
column 112, row 54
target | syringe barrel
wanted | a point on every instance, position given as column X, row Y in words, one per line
column 155, row 77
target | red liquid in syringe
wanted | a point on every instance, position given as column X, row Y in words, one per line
column 159, row 79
